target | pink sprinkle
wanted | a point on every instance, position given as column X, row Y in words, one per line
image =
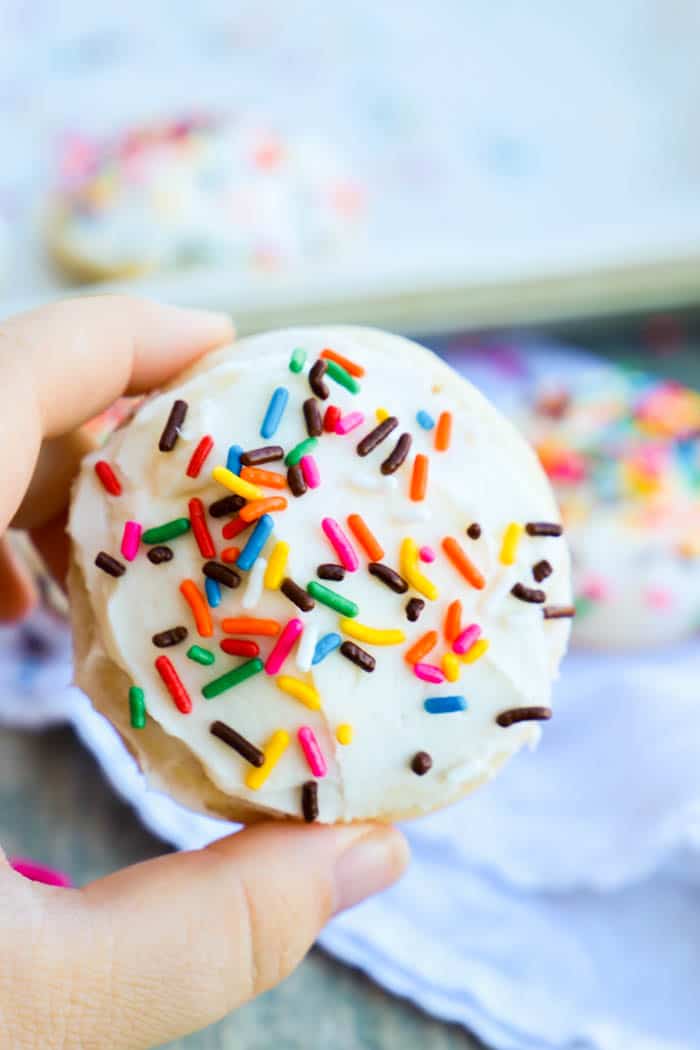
column 464, row 641
column 426, row 554
column 284, row 644
column 429, row 673
column 131, row 539
column 39, row 873
column 312, row 752
column 309, row 468
column 341, row 544
column 347, row 423
column 596, row 588
column 658, row 598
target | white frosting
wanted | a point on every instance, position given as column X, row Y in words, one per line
column 232, row 192
column 487, row 475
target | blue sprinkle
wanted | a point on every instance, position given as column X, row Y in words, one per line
column 213, row 592
column 275, row 411
column 424, row 420
column 324, row 646
column 444, row 705
column 256, row 541
column 233, row 460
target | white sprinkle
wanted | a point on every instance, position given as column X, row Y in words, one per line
column 254, row 589
column 500, row 591
column 306, row 646
column 372, row 482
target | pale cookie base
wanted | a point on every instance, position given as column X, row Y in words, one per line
column 79, row 267
column 169, row 766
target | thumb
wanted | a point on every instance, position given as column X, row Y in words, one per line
column 171, row 945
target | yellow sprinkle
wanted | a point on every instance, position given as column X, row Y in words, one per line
column 476, row 652
column 273, row 751
column 408, row 560
column 277, row 563
column 306, row 694
column 381, row 414
column 371, row 635
column 237, row 485
column 450, row 667
column 511, row 539
column 344, row 734
column 690, row 547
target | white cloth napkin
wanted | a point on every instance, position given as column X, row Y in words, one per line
column 556, row 909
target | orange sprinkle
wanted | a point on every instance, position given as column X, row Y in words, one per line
column 257, row 507
column 419, row 478
column 230, row 553
column 200, row 610
column 249, row 625
column 367, row 540
column 349, row 366
column 421, row 648
column 269, row 479
column 443, row 432
column 461, row 562
column 453, row 621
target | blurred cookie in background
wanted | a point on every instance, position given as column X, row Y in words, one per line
column 622, row 450
column 200, row 190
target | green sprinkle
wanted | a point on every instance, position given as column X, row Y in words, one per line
column 169, row 531
column 231, row 678
column 332, row 599
column 337, row 372
column 302, row 449
column 583, row 606
column 201, row 655
column 137, row 707
column 297, row 360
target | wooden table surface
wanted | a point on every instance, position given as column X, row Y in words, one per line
column 57, row 809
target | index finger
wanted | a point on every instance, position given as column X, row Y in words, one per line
column 66, row 362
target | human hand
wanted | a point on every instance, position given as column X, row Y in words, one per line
column 168, row 946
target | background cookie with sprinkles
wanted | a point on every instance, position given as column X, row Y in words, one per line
column 319, row 665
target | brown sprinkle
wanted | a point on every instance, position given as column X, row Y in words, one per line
column 255, row 456
column 158, row 555
column 559, row 612
column 312, row 415
column 474, row 531
column 376, row 436
column 329, row 571
column 397, row 455
column 245, row 749
column 414, row 608
column 358, row 656
column 228, row 505
column 388, row 576
column 171, row 430
column 297, row 595
column 528, row 594
column 109, row 564
column 296, row 480
column 214, row 570
column 523, row 714
column 543, row 528
column 173, row 636
column 421, row 763
column 316, row 381
column 309, row 801
column 541, row 570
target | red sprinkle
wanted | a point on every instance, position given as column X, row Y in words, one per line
column 167, row 672
column 109, row 479
column 239, row 647
column 330, row 418
column 230, row 553
column 201, row 529
column 234, row 528
column 199, row 455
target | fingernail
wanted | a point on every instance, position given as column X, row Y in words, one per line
column 214, row 322
column 369, row 865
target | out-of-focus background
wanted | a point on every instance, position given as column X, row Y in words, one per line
column 518, row 185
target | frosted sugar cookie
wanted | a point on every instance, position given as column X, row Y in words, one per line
column 320, row 576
